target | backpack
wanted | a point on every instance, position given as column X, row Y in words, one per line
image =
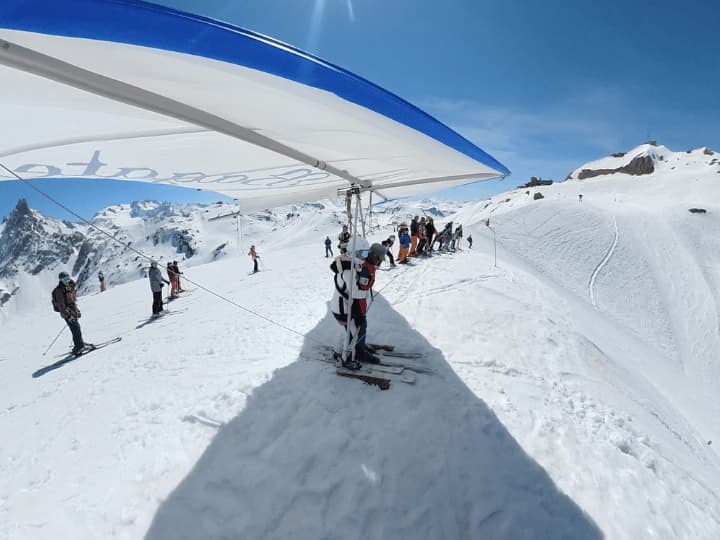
column 54, row 305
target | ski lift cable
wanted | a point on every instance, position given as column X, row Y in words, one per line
column 28, row 183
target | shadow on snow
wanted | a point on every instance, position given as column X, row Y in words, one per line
column 316, row 456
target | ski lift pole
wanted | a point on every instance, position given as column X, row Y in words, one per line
column 54, row 340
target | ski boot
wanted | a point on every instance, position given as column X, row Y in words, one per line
column 351, row 364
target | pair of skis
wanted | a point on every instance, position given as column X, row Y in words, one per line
column 164, row 313
column 88, row 348
column 393, row 365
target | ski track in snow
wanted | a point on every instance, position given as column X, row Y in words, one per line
column 596, row 271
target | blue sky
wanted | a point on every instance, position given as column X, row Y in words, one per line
column 543, row 86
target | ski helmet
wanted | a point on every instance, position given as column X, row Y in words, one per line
column 64, row 276
column 376, row 254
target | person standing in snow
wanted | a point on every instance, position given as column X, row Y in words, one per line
column 156, row 286
column 177, row 272
column 404, row 239
column 422, row 237
column 343, row 239
column 63, row 301
column 457, row 238
column 173, row 280
column 252, row 253
column 470, row 241
column 414, row 227
column 101, row 278
column 430, row 233
column 358, row 264
column 328, row 247
column 388, row 244
column 580, row 197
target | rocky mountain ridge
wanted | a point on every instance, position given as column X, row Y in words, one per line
column 645, row 160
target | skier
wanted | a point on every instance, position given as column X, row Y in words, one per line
column 101, row 277
column 579, row 197
column 173, row 279
column 414, row 226
column 404, row 239
column 422, row 237
column 430, row 233
column 445, row 237
column 252, row 253
column 388, row 247
column 63, row 302
column 470, row 241
column 457, row 238
column 156, row 285
column 359, row 263
column 328, row 247
column 177, row 271
column 343, row 239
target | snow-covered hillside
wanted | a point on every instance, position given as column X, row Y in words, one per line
column 565, row 393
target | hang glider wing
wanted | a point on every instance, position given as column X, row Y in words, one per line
column 122, row 89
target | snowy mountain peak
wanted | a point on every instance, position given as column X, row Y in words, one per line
column 646, row 159
column 30, row 242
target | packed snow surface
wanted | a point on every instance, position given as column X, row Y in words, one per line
column 568, row 391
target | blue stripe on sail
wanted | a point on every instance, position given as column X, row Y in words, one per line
column 139, row 23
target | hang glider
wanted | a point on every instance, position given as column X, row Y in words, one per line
column 123, row 89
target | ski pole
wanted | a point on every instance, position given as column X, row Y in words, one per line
column 54, row 340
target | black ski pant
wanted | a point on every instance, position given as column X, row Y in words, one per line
column 421, row 246
column 358, row 332
column 74, row 326
column 328, row 251
column 157, row 302
column 255, row 265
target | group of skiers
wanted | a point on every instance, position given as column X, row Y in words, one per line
column 357, row 260
column 64, row 297
column 157, row 282
column 418, row 240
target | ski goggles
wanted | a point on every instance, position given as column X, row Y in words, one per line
column 362, row 253
column 65, row 279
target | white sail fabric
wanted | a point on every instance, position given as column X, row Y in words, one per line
column 128, row 90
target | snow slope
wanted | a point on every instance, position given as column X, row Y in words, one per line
column 569, row 392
